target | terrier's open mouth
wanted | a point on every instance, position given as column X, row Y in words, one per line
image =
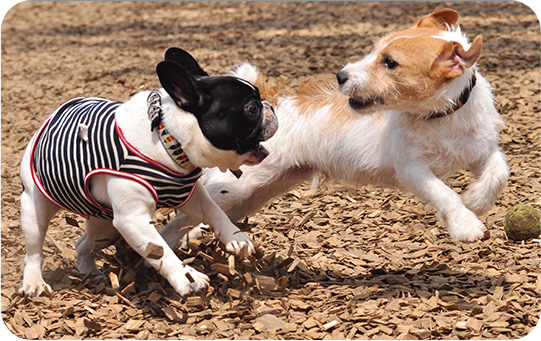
column 359, row 104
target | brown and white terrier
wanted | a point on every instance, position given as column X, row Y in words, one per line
column 407, row 115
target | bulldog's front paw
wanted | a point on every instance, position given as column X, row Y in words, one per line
column 464, row 226
column 189, row 281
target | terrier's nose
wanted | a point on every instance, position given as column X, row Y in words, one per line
column 342, row 77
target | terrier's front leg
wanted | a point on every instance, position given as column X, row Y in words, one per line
column 493, row 174
column 175, row 233
column 462, row 223
column 202, row 208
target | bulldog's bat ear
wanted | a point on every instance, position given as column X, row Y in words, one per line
column 186, row 60
column 180, row 85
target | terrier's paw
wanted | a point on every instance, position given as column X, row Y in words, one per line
column 192, row 234
column 464, row 226
column 233, row 239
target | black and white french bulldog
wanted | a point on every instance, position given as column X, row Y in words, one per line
column 116, row 163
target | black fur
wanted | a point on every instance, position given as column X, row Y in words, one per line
column 229, row 110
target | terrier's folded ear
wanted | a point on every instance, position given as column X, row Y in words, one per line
column 443, row 19
column 453, row 59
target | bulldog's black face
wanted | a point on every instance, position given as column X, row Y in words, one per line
column 231, row 116
column 229, row 110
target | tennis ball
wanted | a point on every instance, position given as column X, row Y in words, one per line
column 522, row 222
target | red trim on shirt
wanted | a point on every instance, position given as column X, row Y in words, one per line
column 145, row 157
column 121, row 174
column 35, row 177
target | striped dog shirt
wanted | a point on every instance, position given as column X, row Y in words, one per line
column 81, row 139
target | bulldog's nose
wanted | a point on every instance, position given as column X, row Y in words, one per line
column 270, row 122
column 268, row 105
column 342, row 77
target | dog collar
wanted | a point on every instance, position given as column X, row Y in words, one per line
column 464, row 96
column 171, row 145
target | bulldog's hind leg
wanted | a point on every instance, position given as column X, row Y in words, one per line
column 100, row 233
column 36, row 213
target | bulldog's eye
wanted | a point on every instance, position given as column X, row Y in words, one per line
column 252, row 108
column 390, row 63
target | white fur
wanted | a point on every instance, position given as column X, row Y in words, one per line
column 132, row 203
column 387, row 148
column 246, row 71
column 131, row 116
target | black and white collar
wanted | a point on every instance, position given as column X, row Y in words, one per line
column 171, row 145
column 458, row 103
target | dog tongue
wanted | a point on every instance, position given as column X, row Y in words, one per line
column 259, row 155
column 255, row 158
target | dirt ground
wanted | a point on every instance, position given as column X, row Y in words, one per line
column 345, row 263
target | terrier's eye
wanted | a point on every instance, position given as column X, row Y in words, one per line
column 390, row 63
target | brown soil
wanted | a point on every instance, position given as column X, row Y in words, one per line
column 362, row 263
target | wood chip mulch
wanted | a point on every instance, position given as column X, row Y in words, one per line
column 346, row 262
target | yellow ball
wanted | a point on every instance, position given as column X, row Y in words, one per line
column 522, row 222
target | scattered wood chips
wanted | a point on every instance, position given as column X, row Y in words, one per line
column 347, row 263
